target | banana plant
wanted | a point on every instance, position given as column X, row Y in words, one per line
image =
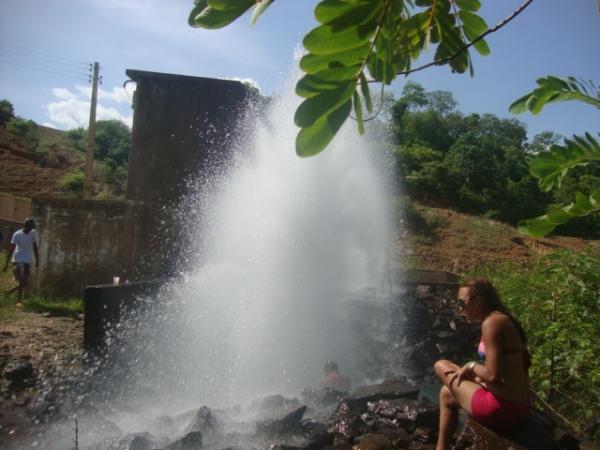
column 361, row 42
column 551, row 166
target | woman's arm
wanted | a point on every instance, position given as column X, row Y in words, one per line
column 491, row 371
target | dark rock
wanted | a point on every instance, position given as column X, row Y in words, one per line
column 532, row 434
column 373, row 441
column 425, row 435
column 18, row 370
column 565, row 440
column 191, row 441
column 400, row 413
column 285, row 423
column 137, row 441
column 163, row 426
column 388, row 390
column 204, row 422
column 273, row 405
column 321, row 397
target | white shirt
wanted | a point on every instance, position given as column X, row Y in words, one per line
column 24, row 246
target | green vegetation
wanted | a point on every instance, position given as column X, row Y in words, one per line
column 477, row 164
column 113, row 143
column 33, row 303
column 24, row 129
column 556, row 299
column 551, row 166
column 72, row 183
column 7, row 111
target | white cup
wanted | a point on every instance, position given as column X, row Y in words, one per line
column 116, row 280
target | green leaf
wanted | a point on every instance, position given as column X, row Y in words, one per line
column 259, row 10
column 199, row 5
column 551, row 166
column 312, row 140
column 309, row 86
column 359, row 113
column 554, row 89
column 212, row 18
column 364, row 88
column 474, row 26
column 469, row 5
column 327, row 39
column 230, row 5
column 537, row 227
column 312, row 63
column 343, row 13
column 322, row 104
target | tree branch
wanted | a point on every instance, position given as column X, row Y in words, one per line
column 495, row 28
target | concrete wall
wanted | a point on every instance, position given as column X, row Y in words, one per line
column 182, row 129
column 85, row 242
column 15, row 209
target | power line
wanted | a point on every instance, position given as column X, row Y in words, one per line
column 38, row 69
column 35, row 64
column 49, row 55
column 20, row 54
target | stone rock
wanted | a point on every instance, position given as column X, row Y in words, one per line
column 373, row 441
column 137, row 441
column 163, row 426
column 400, row 413
column 273, row 405
column 285, row 423
column 535, row 433
column 18, row 370
column 387, row 390
column 425, row 435
column 204, row 422
column 321, row 397
column 191, row 441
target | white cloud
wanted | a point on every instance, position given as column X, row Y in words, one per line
column 117, row 94
column 63, row 94
column 72, row 109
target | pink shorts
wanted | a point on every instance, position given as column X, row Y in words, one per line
column 495, row 412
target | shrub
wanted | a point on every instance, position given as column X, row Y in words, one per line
column 72, row 183
column 6, row 111
column 557, row 300
column 22, row 128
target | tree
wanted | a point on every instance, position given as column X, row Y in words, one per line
column 550, row 167
column 7, row 111
column 360, row 42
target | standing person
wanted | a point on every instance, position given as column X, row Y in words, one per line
column 24, row 246
column 494, row 392
column 334, row 379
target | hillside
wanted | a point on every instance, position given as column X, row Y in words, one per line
column 30, row 169
column 459, row 243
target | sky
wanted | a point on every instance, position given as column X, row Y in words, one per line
column 46, row 47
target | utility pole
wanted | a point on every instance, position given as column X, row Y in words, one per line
column 91, row 141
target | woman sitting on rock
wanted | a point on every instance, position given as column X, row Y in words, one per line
column 496, row 391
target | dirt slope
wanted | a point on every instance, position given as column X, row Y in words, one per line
column 459, row 242
column 34, row 169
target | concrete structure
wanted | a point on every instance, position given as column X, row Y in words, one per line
column 182, row 130
column 183, row 126
column 85, row 242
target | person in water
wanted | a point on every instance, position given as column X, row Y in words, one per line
column 334, row 379
column 495, row 392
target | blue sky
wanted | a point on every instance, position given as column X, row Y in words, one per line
column 42, row 43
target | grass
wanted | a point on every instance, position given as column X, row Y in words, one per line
column 56, row 306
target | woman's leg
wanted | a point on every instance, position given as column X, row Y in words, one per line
column 451, row 399
column 448, row 418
